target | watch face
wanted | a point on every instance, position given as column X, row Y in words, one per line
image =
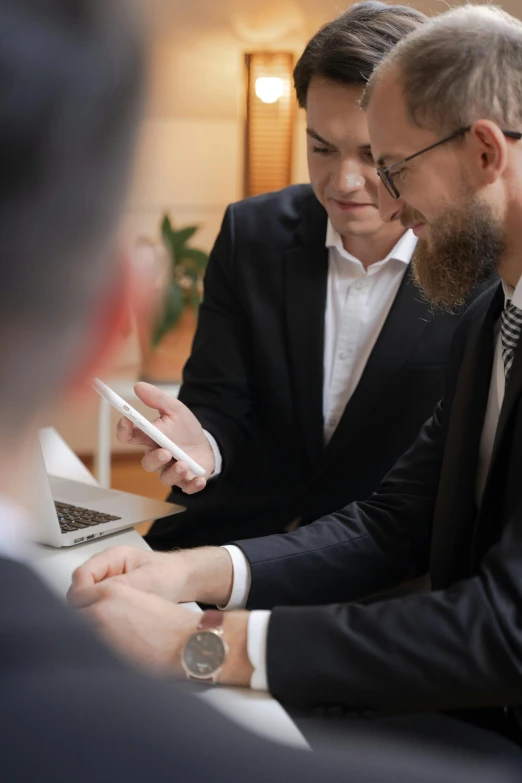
column 204, row 654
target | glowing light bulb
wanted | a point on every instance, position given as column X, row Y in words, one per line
column 269, row 88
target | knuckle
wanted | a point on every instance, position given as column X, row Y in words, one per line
column 189, row 488
column 145, row 462
column 106, row 592
column 161, row 423
column 169, row 476
column 111, row 590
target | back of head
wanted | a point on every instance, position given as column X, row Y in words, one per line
column 464, row 65
column 71, row 74
column 348, row 49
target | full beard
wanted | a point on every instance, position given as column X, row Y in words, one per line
column 465, row 251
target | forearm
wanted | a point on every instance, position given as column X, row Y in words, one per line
column 452, row 649
column 209, row 575
column 362, row 549
column 216, row 452
column 237, row 669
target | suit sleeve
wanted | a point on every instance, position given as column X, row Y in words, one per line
column 362, row 549
column 217, row 376
column 457, row 648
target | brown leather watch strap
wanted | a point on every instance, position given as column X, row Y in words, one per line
column 212, row 620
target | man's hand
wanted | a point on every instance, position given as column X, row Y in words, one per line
column 204, row 574
column 151, row 572
column 144, row 628
column 151, row 632
column 179, row 424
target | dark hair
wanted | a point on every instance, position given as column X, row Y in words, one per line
column 71, row 77
column 348, row 49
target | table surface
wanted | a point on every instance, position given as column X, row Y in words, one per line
column 257, row 711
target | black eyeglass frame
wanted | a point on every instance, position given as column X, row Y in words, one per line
column 383, row 171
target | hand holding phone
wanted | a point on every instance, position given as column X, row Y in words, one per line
column 146, row 426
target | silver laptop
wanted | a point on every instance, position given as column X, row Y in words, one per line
column 70, row 512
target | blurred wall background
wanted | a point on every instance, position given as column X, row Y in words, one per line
column 191, row 158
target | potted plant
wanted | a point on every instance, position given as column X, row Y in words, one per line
column 173, row 330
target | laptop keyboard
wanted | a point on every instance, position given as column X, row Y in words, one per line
column 76, row 518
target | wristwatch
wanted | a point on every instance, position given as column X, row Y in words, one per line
column 205, row 651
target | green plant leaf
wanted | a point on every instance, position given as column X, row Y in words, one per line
column 199, row 258
column 168, row 236
column 171, row 313
column 184, row 234
column 184, row 259
column 180, row 243
column 166, row 224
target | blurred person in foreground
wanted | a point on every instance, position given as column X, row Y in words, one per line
column 315, row 360
column 70, row 85
column 445, row 118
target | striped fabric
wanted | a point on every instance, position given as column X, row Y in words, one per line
column 510, row 326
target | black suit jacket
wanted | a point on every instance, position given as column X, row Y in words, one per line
column 255, row 379
column 70, row 711
column 458, row 647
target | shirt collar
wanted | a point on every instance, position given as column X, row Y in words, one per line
column 513, row 294
column 402, row 251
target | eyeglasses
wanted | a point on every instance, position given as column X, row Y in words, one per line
column 387, row 178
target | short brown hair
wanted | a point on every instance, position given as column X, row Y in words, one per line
column 464, row 65
column 348, row 49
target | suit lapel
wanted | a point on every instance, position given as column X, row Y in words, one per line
column 305, row 295
column 456, row 510
column 509, row 405
column 403, row 327
column 488, row 528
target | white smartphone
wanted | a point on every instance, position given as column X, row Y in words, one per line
column 145, row 426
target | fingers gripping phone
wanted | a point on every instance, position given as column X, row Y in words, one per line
column 145, row 426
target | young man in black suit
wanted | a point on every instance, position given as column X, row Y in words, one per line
column 70, row 85
column 315, row 360
column 445, row 119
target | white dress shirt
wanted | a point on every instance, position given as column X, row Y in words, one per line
column 259, row 620
column 218, row 461
column 358, row 301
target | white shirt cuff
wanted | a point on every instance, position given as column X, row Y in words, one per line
column 241, row 580
column 256, row 648
column 257, row 621
column 218, row 460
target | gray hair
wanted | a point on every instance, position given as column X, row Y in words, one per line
column 463, row 65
